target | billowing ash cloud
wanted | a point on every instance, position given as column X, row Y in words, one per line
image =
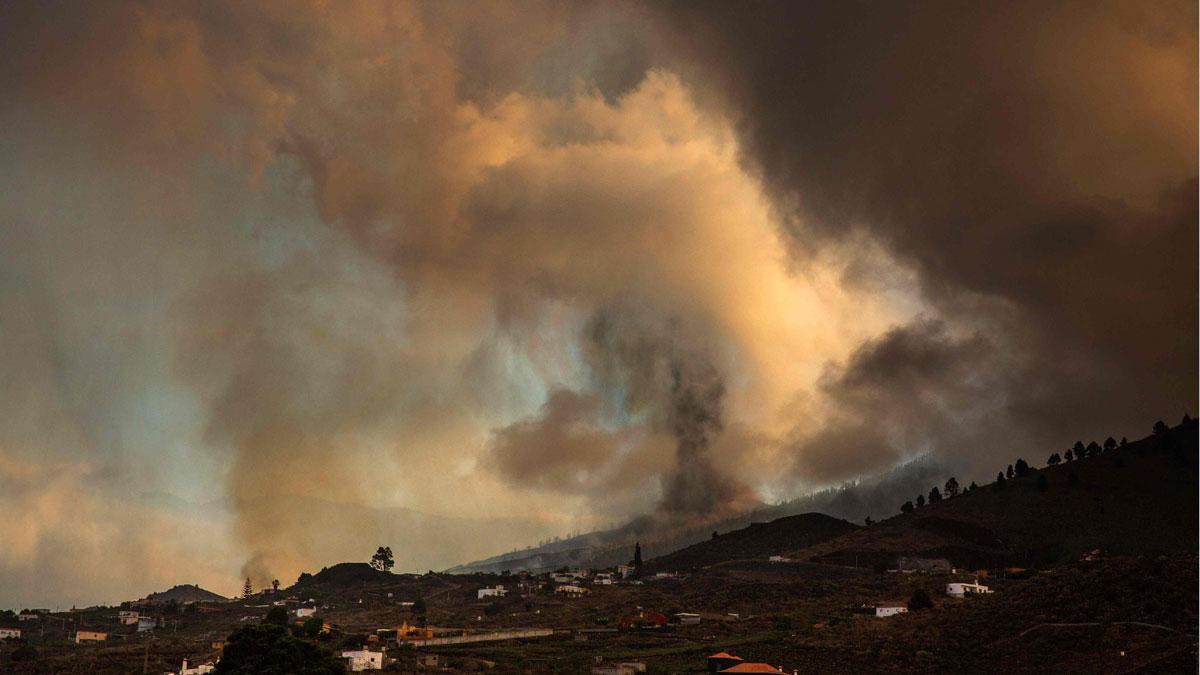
column 1035, row 163
column 356, row 272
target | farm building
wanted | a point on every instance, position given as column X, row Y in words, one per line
column 127, row 617
column 890, row 609
column 10, row 633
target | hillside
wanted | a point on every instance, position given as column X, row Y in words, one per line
column 606, row 548
column 759, row 540
column 186, row 593
column 1136, row 500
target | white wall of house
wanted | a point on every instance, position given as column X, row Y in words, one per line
column 890, row 611
column 6, row 633
column 363, row 659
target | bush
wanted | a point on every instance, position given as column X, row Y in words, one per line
column 24, row 653
column 1042, row 483
column 276, row 616
column 920, row 600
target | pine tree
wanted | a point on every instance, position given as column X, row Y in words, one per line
column 1110, row 444
column 1070, row 455
column 1022, row 467
column 920, row 501
column 1008, row 473
column 906, row 507
column 935, row 495
column 637, row 556
column 247, row 591
column 952, row 487
column 1000, row 481
column 1054, row 459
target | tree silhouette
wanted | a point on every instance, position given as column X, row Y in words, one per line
column 935, row 495
column 637, row 556
column 1008, row 473
column 275, row 585
column 247, row 591
column 1186, row 419
column 382, row 560
column 1000, row 481
column 906, row 507
column 972, row 487
column 1160, row 428
column 1042, row 483
column 1093, row 449
column 1124, row 442
column 1022, row 467
column 1110, row 444
column 952, row 487
column 1054, row 460
column 1079, row 450
column 868, row 521
column 920, row 501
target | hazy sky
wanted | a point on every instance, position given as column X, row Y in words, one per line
column 282, row 282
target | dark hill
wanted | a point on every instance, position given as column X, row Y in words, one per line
column 184, row 594
column 759, row 540
column 1134, row 500
column 343, row 575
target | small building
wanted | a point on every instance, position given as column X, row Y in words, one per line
column 722, row 660
column 82, row 636
column 625, row 571
column 302, row 612
column 779, row 559
column 962, row 589
column 498, row 592
column 362, row 659
column 687, row 618
column 602, row 579
column 570, row 590
column 890, row 609
column 146, row 623
column 28, row 616
column 127, row 617
column 10, row 633
column 202, row 669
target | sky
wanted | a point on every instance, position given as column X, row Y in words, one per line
column 283, row 282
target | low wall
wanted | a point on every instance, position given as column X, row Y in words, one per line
column 483, row 637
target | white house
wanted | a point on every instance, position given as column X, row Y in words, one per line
column 90, row 636
column 363, row 659
column 127, row 617
column 7, row 633
column 570, row 590
column 498, row 592
column 779, row 559
column 890, row 610
column 602, row 579
column 202, row 669
column 302, row 612
column 687, row 618
column 28, row 616
column 565, row 577
column 961, row 589
column 145, row 623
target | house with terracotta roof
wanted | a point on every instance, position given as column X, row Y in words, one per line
column 722, row 660
column 643, row 619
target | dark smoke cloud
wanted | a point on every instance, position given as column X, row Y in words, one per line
column 1035, row 163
